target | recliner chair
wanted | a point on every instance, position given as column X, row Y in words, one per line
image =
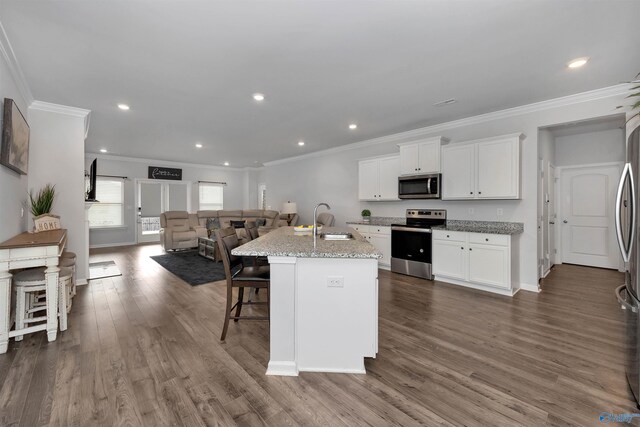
column 177, row 230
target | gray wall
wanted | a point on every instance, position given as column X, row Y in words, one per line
column 592, row 147
column 234, row 192
column 13, row 187
column 332, row 176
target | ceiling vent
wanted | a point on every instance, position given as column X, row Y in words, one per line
column 445, row 102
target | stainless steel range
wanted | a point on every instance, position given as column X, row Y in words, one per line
column 411, row 242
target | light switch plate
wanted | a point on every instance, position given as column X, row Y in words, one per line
column 499, row 212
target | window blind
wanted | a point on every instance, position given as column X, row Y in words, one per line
column 210, row 196
column 109, row 211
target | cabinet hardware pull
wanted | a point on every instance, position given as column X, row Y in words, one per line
column 486, row 240
column 447, row 236
column 470, row 249
column 470, row 192
column 462, row 247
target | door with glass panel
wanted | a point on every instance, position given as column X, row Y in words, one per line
column 155, row 197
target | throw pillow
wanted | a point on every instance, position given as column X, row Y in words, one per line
column 261, row 222
column 237, row 224
column 213, row 224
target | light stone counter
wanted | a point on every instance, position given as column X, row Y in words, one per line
column 381, row 221
column 285, row 242
column 489, row 227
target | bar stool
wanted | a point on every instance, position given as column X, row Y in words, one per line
column 67, row 257
column 32, row 280
column 70, row 263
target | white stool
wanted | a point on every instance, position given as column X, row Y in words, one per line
column 33, row 280
column 67, row 254
column 70, row 263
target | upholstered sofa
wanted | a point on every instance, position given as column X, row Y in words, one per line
column 180, row 229
column 271, row 220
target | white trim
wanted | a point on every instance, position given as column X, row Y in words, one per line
column 607, row 92
column 112, row 245
column 90, row 155
column 14, row 67
column 286, row 369
column 381, row 157
column 587, row 166
column 60, row 109
column 530, row 288
column 107, row 227
column 500, row 291
column 81, row 282
column 333, row 370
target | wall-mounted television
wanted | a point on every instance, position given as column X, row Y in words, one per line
column 91, row 184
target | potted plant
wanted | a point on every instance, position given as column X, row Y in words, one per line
column 366, row 215
column 40, row 206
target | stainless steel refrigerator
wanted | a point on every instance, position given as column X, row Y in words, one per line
column 626, row 215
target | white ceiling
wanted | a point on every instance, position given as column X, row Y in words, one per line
column 188, row 68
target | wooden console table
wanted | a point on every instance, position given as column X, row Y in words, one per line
column 24, row 251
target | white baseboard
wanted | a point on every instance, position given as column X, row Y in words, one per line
column 81, row 282
column 530, row 288
column 112, row 245
column 285, row 369
column 506, row 292
column 333, row 370
column 384, row 267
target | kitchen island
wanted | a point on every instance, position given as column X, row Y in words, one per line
column 323, row 301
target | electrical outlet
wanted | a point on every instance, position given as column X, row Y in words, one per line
column 499, row 212
column 335, row 281
column 472, row 211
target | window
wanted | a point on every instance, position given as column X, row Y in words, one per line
column 262, row 196
column 210, row 196
column 108, row 212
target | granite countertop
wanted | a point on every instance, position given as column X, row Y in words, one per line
column 381, row 221
column 489, row 227
column 283, row 241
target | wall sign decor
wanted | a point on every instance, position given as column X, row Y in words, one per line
column 157, row 172
column 14, row 153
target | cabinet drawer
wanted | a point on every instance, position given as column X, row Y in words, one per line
column 489, row 239
column 375, row 229
column 361, row 228
column 454, row 236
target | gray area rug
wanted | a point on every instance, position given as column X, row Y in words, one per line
column 191, row 267
column 102, row 269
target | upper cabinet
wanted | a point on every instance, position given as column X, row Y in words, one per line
column 483, row 169
column 418, row 157
column 378, row 178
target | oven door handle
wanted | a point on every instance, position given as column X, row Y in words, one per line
column 414, row 230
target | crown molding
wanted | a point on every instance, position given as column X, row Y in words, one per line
column 60, row 109
column 14, row 67
column 159, row 162
column 607, row 92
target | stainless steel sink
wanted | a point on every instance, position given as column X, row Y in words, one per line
column 337, row 235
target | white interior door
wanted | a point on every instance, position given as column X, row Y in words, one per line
column 149, row 210
column 588, row 208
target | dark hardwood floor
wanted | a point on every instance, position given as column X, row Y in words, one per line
column 144, row 349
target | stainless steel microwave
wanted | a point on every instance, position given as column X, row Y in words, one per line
column 425, row 186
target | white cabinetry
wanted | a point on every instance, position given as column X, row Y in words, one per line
column 418, row 157
column 378, row 178
column 380, row 237
column 477, row 260
column 482, row 169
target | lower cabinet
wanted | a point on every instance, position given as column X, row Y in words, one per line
column 477, row 260
column 380, row 237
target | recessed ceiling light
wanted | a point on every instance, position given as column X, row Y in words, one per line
column 577, row 63
column 123, row 106
column 300, row 143
column 226, row 163
column 353, row 126
column 103, row 150
column 198, row 145
column 258, row 97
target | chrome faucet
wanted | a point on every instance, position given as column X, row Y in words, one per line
column 315, row 222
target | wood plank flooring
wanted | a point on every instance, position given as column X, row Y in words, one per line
column 144, row 349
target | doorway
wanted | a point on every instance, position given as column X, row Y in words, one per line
column 587, row 195
column 154, row 198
